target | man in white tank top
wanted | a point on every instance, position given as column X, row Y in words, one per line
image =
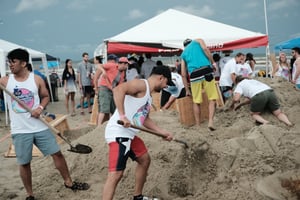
column 133, row 101
column 26, row 128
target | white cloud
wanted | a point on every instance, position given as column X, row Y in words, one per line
column 135, row 14
column 204, row 11
column 277, row 5
column 251, row 4
column 37, row 22
column 26, row 5
column 80, row 5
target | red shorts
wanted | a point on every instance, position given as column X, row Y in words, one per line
column 123, row 148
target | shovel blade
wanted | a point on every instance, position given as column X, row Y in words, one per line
column 80, row 148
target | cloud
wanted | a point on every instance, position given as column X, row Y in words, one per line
column 204, row 11
column 277, row 5
column 80, row 5
column 27, row 5
column 135, row 14
column 37, row 22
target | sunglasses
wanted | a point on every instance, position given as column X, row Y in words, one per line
column 123, row 62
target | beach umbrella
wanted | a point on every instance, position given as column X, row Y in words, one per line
column 289, row 44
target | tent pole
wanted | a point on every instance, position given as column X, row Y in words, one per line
column 44, row 61
column 268, row 45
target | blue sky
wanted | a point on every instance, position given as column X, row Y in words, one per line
column 67, row 28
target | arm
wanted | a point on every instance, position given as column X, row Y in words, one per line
column 97, row 76
column 149, row 123
column 207, row 52
column 184, row 78
column 275, row 69
column 43, row 94
column 236, row 100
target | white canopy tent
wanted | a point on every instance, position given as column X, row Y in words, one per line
column 6, row 47
column 172, row 27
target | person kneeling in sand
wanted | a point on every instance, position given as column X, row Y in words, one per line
column 260, row 96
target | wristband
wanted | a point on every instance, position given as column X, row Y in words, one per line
column 122, row 116
column 41, row 107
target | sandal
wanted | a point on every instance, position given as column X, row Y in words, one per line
column 78, row 186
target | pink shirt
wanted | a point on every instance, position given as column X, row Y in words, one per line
column 111, row 70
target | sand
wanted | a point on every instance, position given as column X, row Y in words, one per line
column 239, row 160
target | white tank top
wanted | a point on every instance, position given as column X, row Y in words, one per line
column 20, row 120
column 294, row 72
column 136, row 110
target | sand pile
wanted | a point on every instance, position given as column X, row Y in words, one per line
column 238, row 161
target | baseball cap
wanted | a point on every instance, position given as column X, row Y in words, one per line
column 186, row 42
column 165, row 71
column 123, row 60
column 112, row 57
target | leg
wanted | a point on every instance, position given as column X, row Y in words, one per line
column 67, row 102
column 102, row 117
column 142, row 167
column 110, row 185
column 197, row 113
column 73, row 102
column 81, row 104
column 61, row 166
column 282, row 117
column 259, row 118
column 88, row 99
column 25, row 173
column 211, row 112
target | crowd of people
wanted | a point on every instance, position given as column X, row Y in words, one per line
column 123, row 86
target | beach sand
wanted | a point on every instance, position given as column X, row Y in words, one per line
column 237, row 161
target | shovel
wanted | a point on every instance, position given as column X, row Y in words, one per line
column 153, row 132
column 79, row 148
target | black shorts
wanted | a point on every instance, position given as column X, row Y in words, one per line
column 87, row 90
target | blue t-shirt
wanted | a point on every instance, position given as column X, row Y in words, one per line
column 194, row 56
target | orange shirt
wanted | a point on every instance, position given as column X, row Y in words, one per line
column 111, row 70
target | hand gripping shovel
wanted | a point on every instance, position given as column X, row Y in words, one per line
column 79, row 148
column 154, row 133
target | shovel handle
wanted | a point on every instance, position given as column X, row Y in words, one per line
column 120, row 122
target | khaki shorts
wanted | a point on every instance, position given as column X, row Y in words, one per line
column 266, row 99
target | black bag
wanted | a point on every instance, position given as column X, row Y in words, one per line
column 206, row 73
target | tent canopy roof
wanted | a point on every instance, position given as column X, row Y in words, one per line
column 6, row 47
column 172, row 27
column 289, row 44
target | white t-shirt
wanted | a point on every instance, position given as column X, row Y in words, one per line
column 243, row 69
column 223, row 61
column 249, row 87
column 175, row 90
column 229, row 68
